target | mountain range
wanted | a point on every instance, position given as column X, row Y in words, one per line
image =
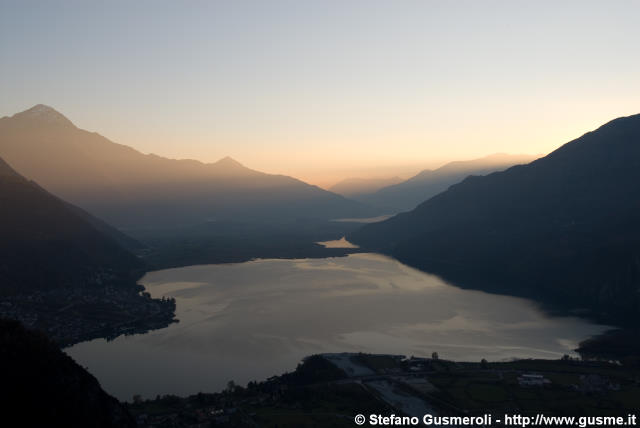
column 350, row 187
column 563, row 228
column 406, row 195
column 130, row 189
column 47, row 243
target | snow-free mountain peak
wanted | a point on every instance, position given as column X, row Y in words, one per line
column 133, row 190
column 229, row 162
column 43, row 114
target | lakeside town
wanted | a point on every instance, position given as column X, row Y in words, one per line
column 70, row 316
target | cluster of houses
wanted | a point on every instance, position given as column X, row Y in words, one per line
column 593, row 383
column 532, row 379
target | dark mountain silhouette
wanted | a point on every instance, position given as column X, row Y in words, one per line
column 130, row 189
column 47, row 243
column 360, row 186
column 563, row 228
column 43, row 387
column 408, row 194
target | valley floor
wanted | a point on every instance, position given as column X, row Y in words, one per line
column 324, row 391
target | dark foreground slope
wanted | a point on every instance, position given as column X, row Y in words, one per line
column 48, row 244
column 130, row 189
column 563, row 228
column 43, row 387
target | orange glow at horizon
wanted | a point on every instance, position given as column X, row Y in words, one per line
column 326, row 90
column 328, row 159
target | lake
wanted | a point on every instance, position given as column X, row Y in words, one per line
column 249, row 321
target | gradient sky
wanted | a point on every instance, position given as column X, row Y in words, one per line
column 325, row 89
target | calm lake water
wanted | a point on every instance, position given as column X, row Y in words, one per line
column 249, row 321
